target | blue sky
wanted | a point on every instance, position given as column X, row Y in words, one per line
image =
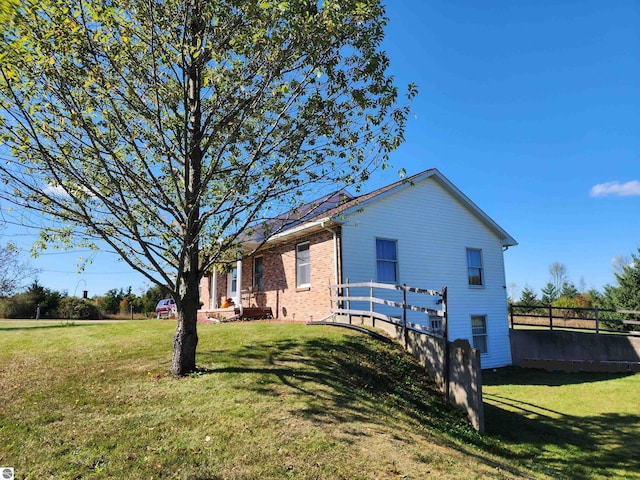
column 529, row 107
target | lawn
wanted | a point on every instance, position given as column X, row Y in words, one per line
column 572, row 425
column 277, row 401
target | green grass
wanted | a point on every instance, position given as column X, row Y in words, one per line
column 568, row 425
column 278, row 401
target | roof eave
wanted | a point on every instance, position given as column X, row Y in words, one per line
column 298, row 231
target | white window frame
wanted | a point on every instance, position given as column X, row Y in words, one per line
column 478, row 334
column 301, row 263
column 395, row 262
column 479, row 269
column 435, row 323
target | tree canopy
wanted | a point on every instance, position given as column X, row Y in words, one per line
column 14, row 271
column 167, row 129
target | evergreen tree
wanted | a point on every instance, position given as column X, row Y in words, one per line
column 528, row 297
column 568, row 290
column 626, row 295
column 549, row 294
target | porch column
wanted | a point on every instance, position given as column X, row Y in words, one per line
column 238, row 299
column 214, row 288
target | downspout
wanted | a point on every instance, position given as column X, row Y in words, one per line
column 336, row 273
column 504, row 281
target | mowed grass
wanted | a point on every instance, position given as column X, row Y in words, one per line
column 568, row 425
column 276, row 401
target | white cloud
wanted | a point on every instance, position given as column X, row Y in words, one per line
column 55, row 191
column 616, row 188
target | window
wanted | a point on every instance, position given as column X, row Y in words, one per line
column 303, row 265
column 387, row 260
column 232, row 283
column 258, row 269
column 474, row 266
column 435, row 322
column 479, row 332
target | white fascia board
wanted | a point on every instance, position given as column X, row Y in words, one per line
column 302, row 229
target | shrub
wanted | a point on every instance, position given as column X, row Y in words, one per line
column 78, row 309
column 17, row 306
column 25, row 304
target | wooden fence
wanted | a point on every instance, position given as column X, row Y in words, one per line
column 454, row 366
column 341, row 298
column 596, row 320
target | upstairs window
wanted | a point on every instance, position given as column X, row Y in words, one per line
column 258, row 271
column 479, row 332
column 474, row 267
column 386, row 260
column 303, row 265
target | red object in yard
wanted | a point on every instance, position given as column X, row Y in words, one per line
column 166, row 308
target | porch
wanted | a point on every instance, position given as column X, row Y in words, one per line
column 235, row 313
column 247, row 305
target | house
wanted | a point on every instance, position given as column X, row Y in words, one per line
column 421, row 231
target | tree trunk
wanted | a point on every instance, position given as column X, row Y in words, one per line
column 185, row 339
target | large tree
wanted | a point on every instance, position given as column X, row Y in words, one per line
column 167, row 129
column 14, row 271
column 558, row 272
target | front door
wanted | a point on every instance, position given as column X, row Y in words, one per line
column 232, row 284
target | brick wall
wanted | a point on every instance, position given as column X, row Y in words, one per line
column 279, row 280
column 280, row 292
column 205, row 293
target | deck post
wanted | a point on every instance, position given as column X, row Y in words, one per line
column 404, row 315
column 445, row 328
column 550, row 317
column 597, row 321
column 373, row 318
column 347, row 291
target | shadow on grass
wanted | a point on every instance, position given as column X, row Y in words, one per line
column 356, row 379
column 534, row 376
column 564, row 446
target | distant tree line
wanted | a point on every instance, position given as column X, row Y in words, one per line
column 561, row 293
column 38, row 301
